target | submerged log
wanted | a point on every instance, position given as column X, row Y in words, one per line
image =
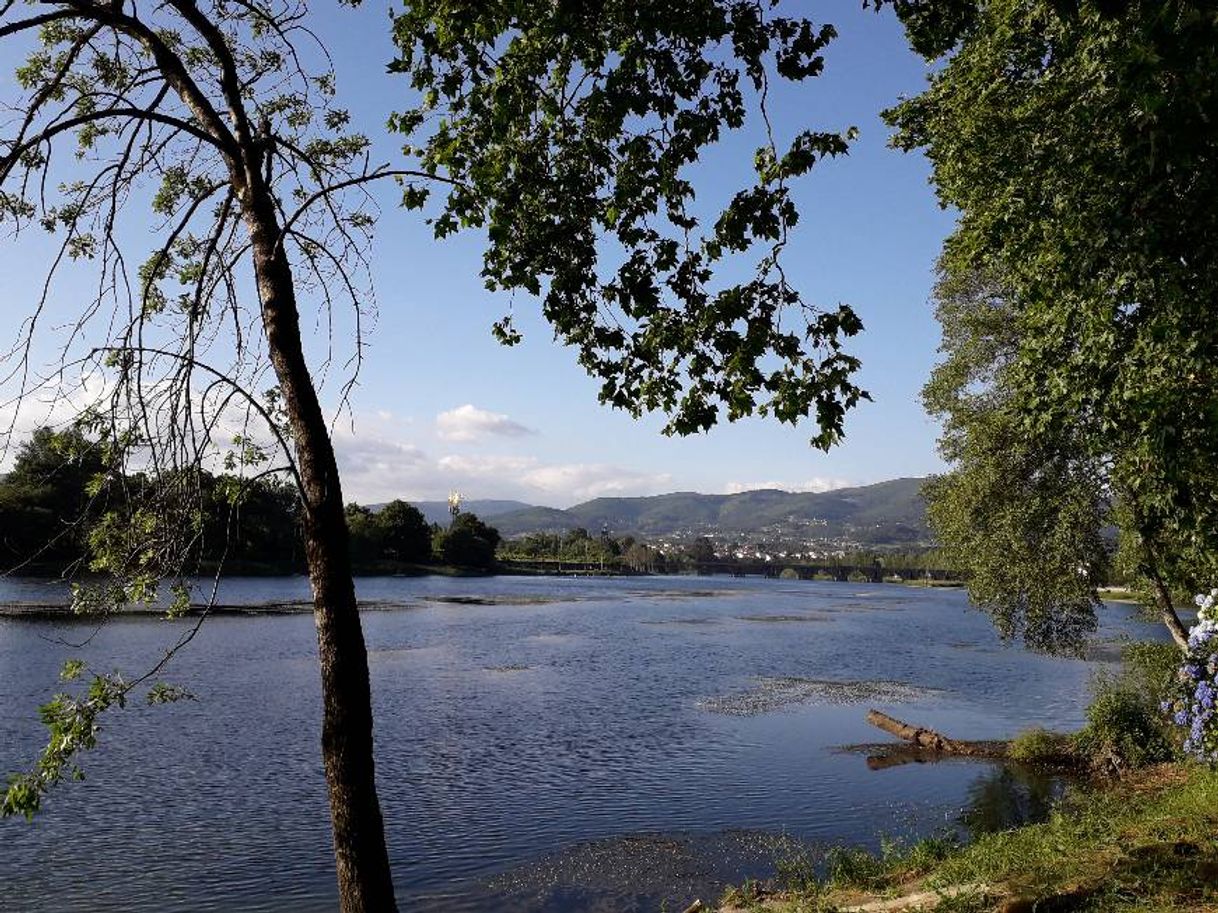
column 931, row 741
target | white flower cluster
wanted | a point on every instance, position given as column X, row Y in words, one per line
column 1207, row 618
column 1207, row 606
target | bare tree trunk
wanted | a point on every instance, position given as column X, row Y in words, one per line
column 364, row 879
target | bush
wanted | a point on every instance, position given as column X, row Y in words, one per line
column 1040, row 746
column 1152, row 668
column 1125, row 729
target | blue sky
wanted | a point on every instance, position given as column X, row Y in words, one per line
column 440, row 405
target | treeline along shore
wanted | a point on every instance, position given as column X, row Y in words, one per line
column 59, row 496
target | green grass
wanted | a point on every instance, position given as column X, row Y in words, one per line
column 1148, row 844
column 1039, row 746
column 1118, row 594
column 1126, row 847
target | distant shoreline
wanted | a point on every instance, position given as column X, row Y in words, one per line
column 62, row 611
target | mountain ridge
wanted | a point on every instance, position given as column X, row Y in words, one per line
column 884, row 514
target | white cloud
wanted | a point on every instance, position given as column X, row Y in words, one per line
column 815, row 484
column 55, row 403
column 552, row 483
column 374, row 465
column 485, row 466
column 469, row 423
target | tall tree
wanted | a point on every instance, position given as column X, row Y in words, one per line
column 215, row 119
column 567, row 130
column 45, row 501
column 1079, row 142
column 407, row 535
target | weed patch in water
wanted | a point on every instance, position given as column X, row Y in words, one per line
column 769, row 694
column 497, row 600
column 696, row 620
column 638, row 872
column 775, row 619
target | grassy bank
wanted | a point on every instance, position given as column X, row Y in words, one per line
column 1148, row 843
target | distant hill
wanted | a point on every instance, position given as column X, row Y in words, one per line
column 885, row 514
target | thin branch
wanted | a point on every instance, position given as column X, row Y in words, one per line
column 358, row 180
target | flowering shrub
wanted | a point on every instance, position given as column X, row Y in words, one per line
column 1197, row 689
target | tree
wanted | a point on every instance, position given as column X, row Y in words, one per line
column 45, row 500
column 407, row 534
column 209, row 111
column 640, row 557
column 1078, row 142
column 468, row 542
column 1023, row 515
column 567, row 131
column 701, row 551
column 367, row 535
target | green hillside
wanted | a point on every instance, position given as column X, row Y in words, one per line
column 887, row 513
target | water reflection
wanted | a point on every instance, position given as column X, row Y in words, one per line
column 1010, row 796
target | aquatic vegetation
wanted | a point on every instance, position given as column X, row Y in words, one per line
column 771, row 693
column 771, row 619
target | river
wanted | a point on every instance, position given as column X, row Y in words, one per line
column 542, row 743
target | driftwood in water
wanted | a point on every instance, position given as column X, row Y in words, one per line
column 930, row 741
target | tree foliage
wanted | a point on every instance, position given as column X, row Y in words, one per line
column 1078, row 142
column 570, row 131
column 45, row 501
column 468, row 542
column 407, row 533
column 1022, row 514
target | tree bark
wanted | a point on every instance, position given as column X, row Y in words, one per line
column 1149, row 566
column 364, row 878
column 1167, row 611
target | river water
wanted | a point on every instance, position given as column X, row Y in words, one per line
column 542, row 743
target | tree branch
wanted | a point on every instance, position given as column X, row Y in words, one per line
column 34, row 22
column 171, row 65
column 11, row 160
column 355, row 182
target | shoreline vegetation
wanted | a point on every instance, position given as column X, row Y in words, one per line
column 1146, row 842
column 1136, row 830
column 52, row 517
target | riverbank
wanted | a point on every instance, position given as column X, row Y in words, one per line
column 1148, row 843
